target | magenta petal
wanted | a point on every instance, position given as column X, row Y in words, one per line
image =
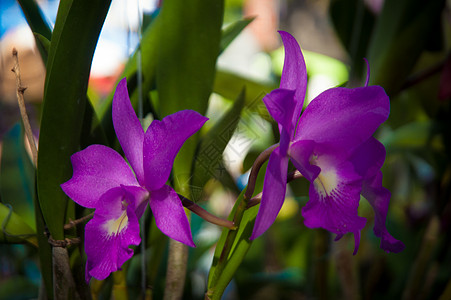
column 273, row 195
column 163, row 140
column 281, row 105
column 379, row 198
column 300, row 153
column 294, row 74
column 344, row 118
column 369, row 158
column 334, row 199
column 367, row 161
column 97, row 169
column 140, row 197
column 128, row 129
column 110, row 233
column 170, row 216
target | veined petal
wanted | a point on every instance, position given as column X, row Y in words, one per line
column 334, row 198
column 344, row 118
column 97, row 169
column 170, row 216
column 281, row 105
column 128, row 129
column 367, row 161
column 163, row 140
column 294, row 74
column 109, row 234
column 273, row 195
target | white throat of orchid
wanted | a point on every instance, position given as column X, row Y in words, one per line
column 327, row 179
column 326, row 182
column 115, row 226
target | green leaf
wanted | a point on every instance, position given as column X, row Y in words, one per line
column 17, row 179
column 188, row 49
column 232, row 31
column 37, row 23
column 13, row 228
column 241, row 243
column 239, row 251
column 212, row 145
column 222, row 239
column 240, row 247
column 229, row 85
column 45, row 44
column 74, row 39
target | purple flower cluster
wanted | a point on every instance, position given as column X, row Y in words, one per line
column 331, row 145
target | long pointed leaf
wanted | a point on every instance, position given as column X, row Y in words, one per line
column 229, row 85
column 67, row 77
column 232, row 31
column 188, row 49
column 37, row 23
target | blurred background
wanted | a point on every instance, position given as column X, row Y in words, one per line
column 407, row 44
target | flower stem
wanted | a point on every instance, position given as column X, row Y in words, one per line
column 206, row 215
column 261, row 159
column 258, row 198
column 73, row 223
column 177, row 262
column 238, row 216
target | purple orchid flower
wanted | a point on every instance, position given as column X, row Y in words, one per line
column 331, row 145
column 103, row 180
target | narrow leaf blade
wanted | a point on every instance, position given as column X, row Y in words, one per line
column 64, row 102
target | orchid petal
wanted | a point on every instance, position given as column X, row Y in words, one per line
column 140, row 196
column 300, row 153
column 294, row 74
column 109, row 234
column 170, row 216
column 128, row 129
column 379, row 198
column 97, row 169
column 163, row 140
column 334, row 198
column 273, row 195
column 369, row 158
column 281, row 105
column 344, row 118
column 367, row 161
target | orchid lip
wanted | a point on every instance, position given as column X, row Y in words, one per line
column 115, row 226
column 326, row 182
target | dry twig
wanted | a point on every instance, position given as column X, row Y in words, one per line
column 23, row 112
